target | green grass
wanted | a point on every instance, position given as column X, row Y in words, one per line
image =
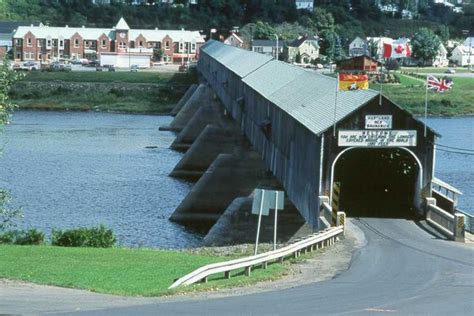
column 156, row 102
column 410, row 94
column 105, row 76
column 131, row 272
column 424, row 70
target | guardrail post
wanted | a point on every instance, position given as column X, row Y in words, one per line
column 459, row 225
column 227, row 274
column 341, row 221
column 248, row 270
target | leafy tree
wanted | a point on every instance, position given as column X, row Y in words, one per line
column 392, row 64
column 425, row 45
column 7, row 78
column 263, row 30
column 158, row 54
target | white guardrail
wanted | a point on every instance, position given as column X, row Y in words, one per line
column 469, row 223
column 448, row 224
column 318, row 240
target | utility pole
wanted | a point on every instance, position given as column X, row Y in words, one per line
column 276, row 53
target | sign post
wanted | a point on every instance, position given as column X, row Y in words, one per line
column 263, row 201
column 259, row 221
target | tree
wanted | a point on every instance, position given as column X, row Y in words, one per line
column 158, row 54
column 425, row 45
column 263, row 30
column 7, row 78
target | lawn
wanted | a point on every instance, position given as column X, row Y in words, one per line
column 410, row 94
column 122, row 76
column 119, row 92
column 424, row 70
column 120, row 271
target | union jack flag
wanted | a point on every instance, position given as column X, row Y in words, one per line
column 440, row 85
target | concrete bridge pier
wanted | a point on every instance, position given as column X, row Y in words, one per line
column 230, row 176
column 211, row 112
column 183, row 100
column 211, row 142
column 201, row 96
column 239, row 225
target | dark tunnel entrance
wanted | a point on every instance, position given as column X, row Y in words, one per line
column 377, row 182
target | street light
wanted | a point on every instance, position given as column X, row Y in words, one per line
column 276, row 53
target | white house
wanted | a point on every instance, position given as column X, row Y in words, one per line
column 268, row 47
column 441, row 59
column 358, row 47
column 234, row 40
column 462, row 56
column 304, row 5
column 306, row 46
column 469, row 42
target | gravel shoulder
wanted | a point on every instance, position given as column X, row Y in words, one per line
column 26, row 298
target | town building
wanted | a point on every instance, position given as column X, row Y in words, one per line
column 234, row 40
column 306, row 47
column 304, row 5
column 6, row 30
column 46, row 43
column 268, row 47
column 462, row 55
column 441, row 58
column 358, row 47
column 361, row 63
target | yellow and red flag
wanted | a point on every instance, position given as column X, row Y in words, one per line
column 353, row 81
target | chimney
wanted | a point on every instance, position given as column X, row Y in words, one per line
column 83, row 27
column 67, row 26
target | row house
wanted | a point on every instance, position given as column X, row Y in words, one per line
column 45, row 43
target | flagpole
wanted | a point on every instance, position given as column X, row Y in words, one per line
column 335, row 106
column 426, row 103
column 381, row 84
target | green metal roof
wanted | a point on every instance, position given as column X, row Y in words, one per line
column 241, row 62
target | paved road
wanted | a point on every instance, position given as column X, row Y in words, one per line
column 402, row 269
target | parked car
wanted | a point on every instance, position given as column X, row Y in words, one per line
column 134, row 68
column 30, row 65
column 450, row 71
column 76, row 61
column 94, row 63
column 107, row 68
column 183, row 68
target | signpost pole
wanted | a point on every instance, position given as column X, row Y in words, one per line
column 276, row 220
column 259, row 221
column 426, row 103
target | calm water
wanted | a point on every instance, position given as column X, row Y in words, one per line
column 83, row 169
column 456, row 169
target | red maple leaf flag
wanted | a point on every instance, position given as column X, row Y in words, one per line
column 397, row 49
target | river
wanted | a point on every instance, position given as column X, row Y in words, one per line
column 70, row 169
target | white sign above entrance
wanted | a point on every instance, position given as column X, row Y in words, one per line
column 377, row 138
column 378, row 121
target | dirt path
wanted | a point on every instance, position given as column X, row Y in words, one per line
column 26, row 298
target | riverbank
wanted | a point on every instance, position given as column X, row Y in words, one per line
column 122, row 92
column 128, row 272
column 410, row 95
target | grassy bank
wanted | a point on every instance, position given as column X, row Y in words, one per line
column 119, row 91
column 119, row 76
column 132, row 272
column 432, row 70
column 410, row 94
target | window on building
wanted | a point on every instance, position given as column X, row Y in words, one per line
column 76, row 43
column 38, row 43
column 104, row 43
column 93, row 44
column 39, row 56
column 122, row 45
column 48, row 43
column 48, row 56
column 29, row 42
column 87, row 44
column 167, row 45
column 140, row 44
column 193, row 47
column 181, row 46
column 55, row 42
column 61, row 43
column 18, row 55
column 18, row 42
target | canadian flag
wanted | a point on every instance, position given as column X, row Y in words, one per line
column 396, row 49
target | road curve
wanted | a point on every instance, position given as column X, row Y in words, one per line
column 402, row 269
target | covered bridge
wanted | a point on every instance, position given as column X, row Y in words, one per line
column 378, row 152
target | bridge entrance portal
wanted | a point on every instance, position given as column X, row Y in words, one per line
column 378, row 182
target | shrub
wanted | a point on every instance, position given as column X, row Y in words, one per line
column 29, row 237
column 22, row 237
column 97, row 237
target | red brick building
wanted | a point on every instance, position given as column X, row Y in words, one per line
column 359, row 63
column 45, row 43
